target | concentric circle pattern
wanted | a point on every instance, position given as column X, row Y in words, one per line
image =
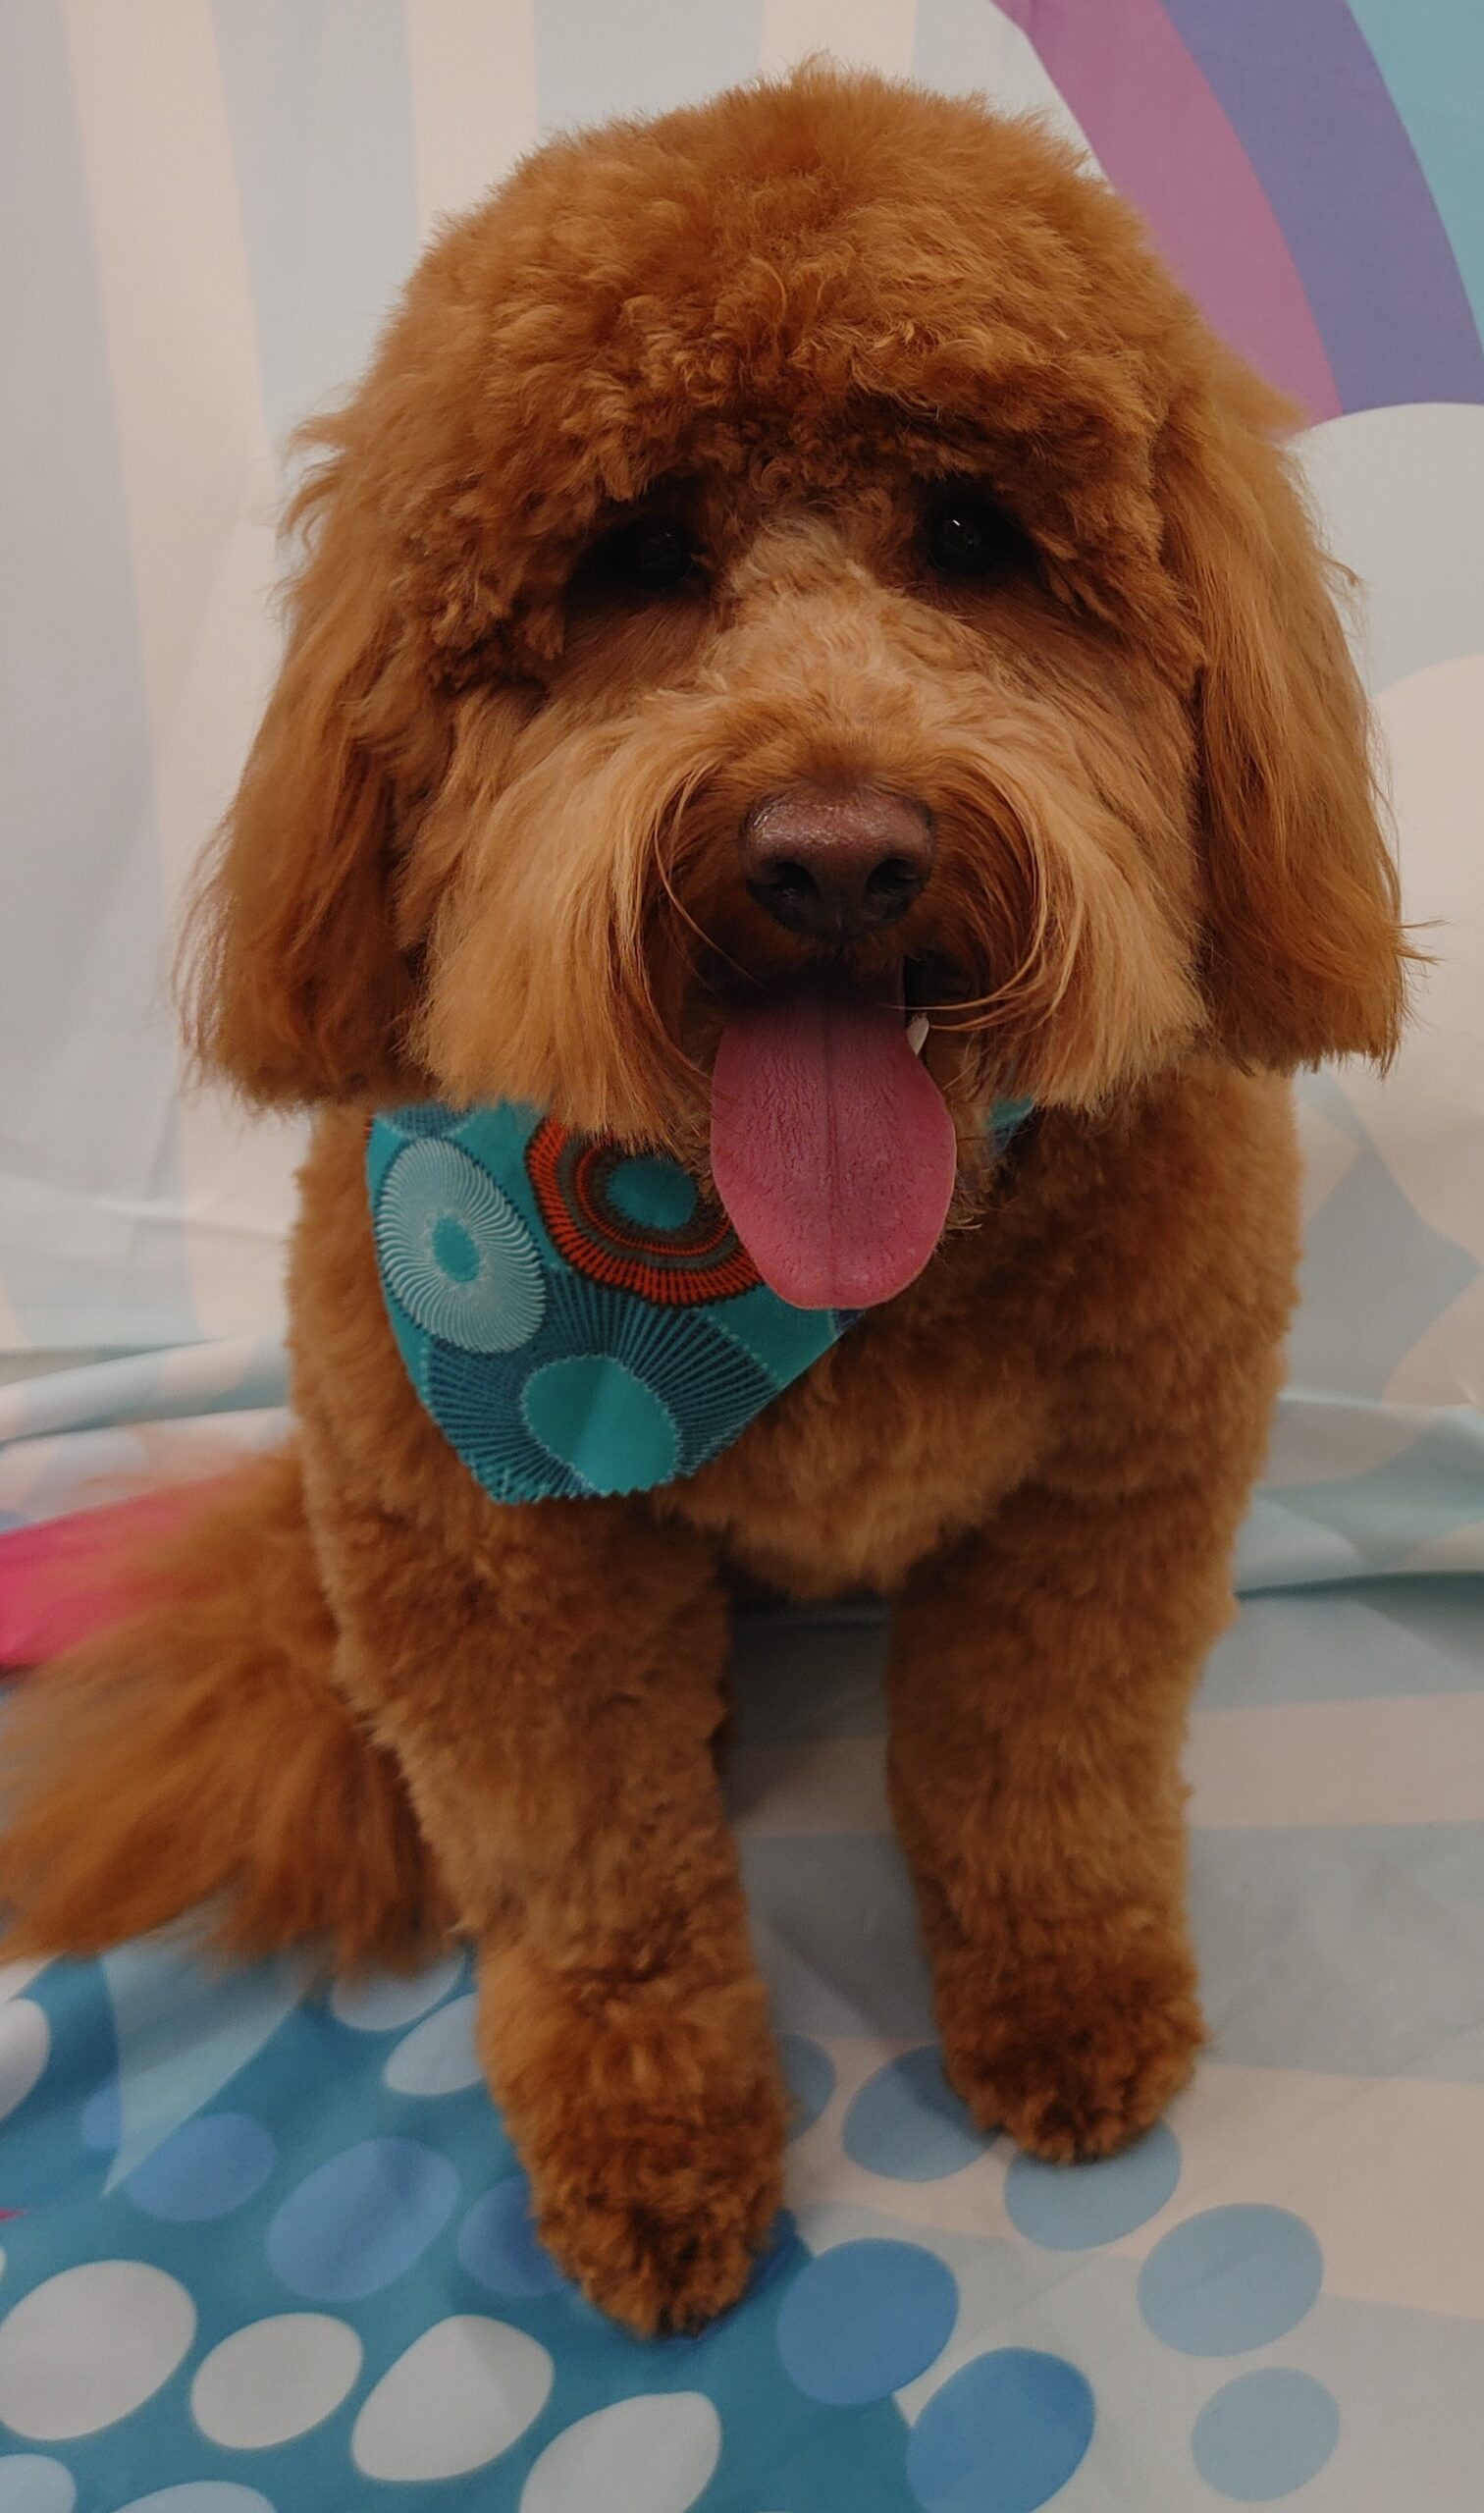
column 456, row 1253
column 636, row 1222
column 575, row 1317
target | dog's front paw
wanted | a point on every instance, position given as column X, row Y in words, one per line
column 659, row 2218
column 1072, row 2061
column 652, row 2134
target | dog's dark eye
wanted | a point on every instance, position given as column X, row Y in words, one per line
column 651, row 556
column 967, row 535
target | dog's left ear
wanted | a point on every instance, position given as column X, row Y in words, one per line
column 290, row 981
column 1304, row 953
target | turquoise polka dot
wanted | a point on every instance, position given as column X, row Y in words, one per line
column 810, row 2074
column 33, row 2483
column 655, row 1194
column 1073, row 2207
column 591, row 1414
column 361, row 2219
column 908, row 2124
column 863, row 2318
column 1003, row 2435
column 1266, row 2434
column 205, row 2169
column 1230, row 2279
column 498, row 2244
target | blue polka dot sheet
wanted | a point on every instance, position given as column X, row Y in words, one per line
column 267, row 2248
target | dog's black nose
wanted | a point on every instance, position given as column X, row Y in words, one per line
column 835, row 866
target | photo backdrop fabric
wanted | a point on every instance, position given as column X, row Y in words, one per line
column 266, row 2248
column 206, row 208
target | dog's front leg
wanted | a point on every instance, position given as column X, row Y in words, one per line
column 1039, row 1690
column 553, row 1701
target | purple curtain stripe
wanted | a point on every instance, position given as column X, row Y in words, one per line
column 1162, row 138
column 1302, row 90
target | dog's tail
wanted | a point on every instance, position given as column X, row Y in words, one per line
column 193, row 1752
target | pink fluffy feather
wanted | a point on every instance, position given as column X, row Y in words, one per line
column 65, row 1581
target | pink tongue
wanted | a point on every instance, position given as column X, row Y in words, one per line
column 832, row 1149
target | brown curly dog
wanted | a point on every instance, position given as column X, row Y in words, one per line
column 794, row 566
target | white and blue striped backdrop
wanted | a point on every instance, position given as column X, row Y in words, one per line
column 208, row 207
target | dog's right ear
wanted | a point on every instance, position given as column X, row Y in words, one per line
column 292, row 983
column 1305, row 954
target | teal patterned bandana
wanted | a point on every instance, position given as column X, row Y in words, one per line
column 575, row 1317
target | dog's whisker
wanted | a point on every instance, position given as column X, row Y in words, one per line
column 670, row 835
column 680, row 909
column 998, row 1001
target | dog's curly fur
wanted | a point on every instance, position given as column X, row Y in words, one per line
column 487, row 847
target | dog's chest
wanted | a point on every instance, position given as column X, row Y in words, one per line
column 889, row 1444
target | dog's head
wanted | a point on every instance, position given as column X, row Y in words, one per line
column 793, row 568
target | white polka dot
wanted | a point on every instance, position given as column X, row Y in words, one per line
column 201, row 2495
column 385, row 2002
column 459, row 2397
column 437, row 2057
column 25, row 2043
column 14, row 1977
column 649, row 2455
column 29, row 2484
column 89, row 2346
column 275, row 2379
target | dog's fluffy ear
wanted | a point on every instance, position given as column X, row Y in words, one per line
column 292, row 983
column 1304, row 952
